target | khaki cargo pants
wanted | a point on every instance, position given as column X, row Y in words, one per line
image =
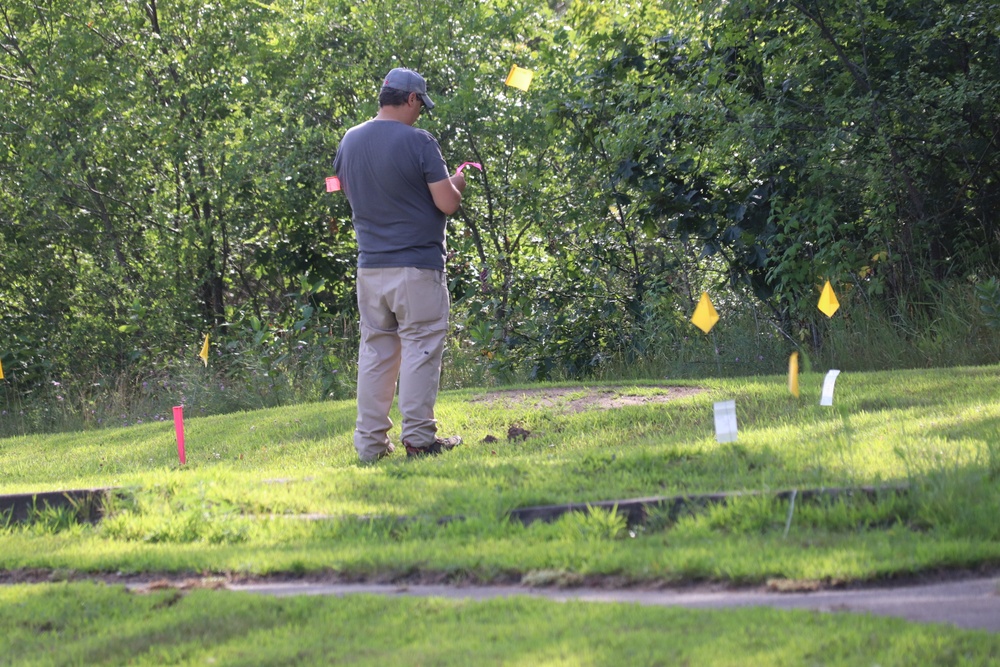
column 404, row 321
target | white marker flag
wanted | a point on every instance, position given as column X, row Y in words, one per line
column 827, row 397
column 725, row 421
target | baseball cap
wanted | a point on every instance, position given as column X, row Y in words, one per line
column 410, row 82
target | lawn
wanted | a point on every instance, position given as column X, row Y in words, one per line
column 91, row 624
column 281, row 491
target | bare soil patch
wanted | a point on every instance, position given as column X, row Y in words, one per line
column 580, row 399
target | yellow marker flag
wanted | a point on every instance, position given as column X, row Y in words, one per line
column 519, row 77
column 793, row 374
column 705, row 316
column 204, row 351
column 828, row 300
column 1, row 370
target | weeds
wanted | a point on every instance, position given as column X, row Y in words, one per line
column 42, row 520
column 169, row 515
column 257, row 366
column 594, row 524
column 70, row 512
column 954, row 497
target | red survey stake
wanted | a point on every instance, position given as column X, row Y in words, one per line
column 179, row 429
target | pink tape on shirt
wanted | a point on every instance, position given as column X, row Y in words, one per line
column 332, row 183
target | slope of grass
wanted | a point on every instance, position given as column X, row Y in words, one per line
column 237, row 504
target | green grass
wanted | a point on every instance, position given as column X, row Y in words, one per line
column 237, row 505
column 94, row 624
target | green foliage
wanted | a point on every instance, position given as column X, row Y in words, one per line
column 198, row 228
column 988, row 293
column 161, row 174
column 861, row 122
column 797, row 144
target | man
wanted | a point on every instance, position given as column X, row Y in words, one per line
column 400, row 192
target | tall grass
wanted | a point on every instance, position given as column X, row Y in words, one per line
column 248, row 370
column 257, row 369
column 950, row 330
column 953, row 329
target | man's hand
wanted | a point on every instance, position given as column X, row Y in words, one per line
column 447, row 193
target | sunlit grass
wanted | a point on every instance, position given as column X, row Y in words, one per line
column 106, row 625
column 282, row 488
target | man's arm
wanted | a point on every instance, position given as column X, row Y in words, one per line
column 447, row 193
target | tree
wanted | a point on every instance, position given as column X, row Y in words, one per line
column 873, row 126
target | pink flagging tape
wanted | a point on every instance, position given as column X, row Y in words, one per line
column 468, row 164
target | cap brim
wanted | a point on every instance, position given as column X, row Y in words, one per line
column 426, row 100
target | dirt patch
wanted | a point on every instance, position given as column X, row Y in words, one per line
column 146, row 581
column 580, row 399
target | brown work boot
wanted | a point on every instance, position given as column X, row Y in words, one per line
column 439, row 445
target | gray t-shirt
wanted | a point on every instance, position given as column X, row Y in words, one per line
column 384, row 167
